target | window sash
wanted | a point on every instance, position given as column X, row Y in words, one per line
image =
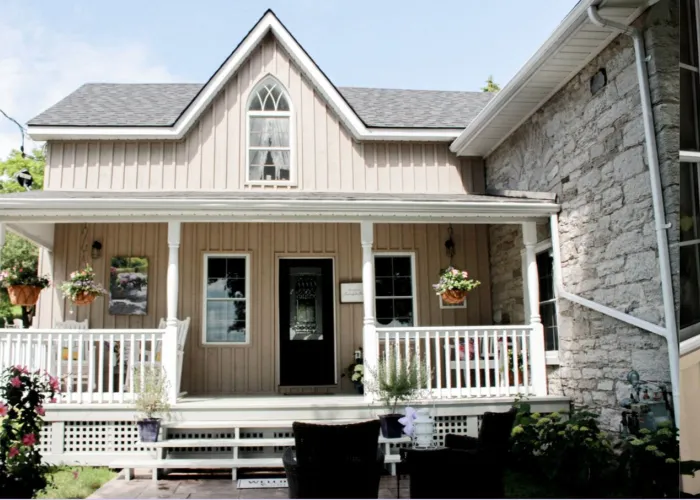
column 412, row 297
column 231, row 300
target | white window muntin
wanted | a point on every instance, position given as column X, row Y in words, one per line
column 206, row 299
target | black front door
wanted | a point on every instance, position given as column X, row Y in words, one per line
column 307, row 333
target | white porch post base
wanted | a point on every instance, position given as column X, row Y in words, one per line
column 537, row 350
column 369, row 336
column 170, row 338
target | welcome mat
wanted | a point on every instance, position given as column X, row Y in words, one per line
column 262, row 482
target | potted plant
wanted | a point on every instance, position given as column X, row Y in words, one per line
column 356, row 372
column 82, row 287
column 151, row 400
column 397, row 382
column 23, row 284
column 454, row 285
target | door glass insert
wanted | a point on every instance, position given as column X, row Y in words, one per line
column 306, row 304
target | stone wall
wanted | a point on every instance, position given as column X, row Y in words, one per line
column 589, row 149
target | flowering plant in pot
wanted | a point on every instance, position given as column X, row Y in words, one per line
column 23, row 283
column 454, row 285
column 356, row 373
column 82, row 287
column 23, row 394
column 396, row 381
column 151, row 400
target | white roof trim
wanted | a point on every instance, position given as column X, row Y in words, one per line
column 268, row 209
column 463, row 145
column 268, row 23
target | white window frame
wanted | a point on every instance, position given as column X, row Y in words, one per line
column 694, row 329
column 414, row 288
column 551, row 357
column 271, row 114
column 205, row 269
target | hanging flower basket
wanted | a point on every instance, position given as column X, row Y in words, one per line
column 23, row 295
column 454, row 285
column 82, row 287
column 84, row 299
column 453, row 296
column 23, row 284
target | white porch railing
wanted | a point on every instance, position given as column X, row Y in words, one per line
column 465, row 361
column 93, row 366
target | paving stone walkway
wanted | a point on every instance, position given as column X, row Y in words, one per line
column 205, row 486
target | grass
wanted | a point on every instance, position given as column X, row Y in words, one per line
column 76, row 482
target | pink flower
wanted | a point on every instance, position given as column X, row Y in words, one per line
column 52, row 400
column 22, row 369
column 455, row 272
column 464, row 274
column 16, row 382
column 3, row 409
column 13, row 452
column 40, row 410
column 29, row 440
column 53, row 382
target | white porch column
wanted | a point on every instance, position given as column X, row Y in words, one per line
column 2, row 238
column 369, row 336
column 537, row 352
column 170, row 340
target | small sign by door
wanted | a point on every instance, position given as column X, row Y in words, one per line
column 351, row 292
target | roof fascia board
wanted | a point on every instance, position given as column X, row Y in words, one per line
column 572, row 23
column 268, row 23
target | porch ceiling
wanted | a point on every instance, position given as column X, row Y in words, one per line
column 274, row 206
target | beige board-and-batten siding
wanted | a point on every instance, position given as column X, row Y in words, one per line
column 251, row 369
column 212, row 156
column 690, row 407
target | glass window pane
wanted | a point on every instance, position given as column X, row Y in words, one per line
column 689, row 110
column 235, row 288
column 225, row 321
column 688, row 43
column 403, row 311
column 548, row 312
column 216, row 267
column 383, row 287
column 235, row 267
column 269, row 132
column 403, row 287
column 690, row 286
column 545, row 271
column 282, row 104
column 269, row 165
column 217, row 288
column 385, row 311
column 689, row 205
column 382, row 266
column 402, row 266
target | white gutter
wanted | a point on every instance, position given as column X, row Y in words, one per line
column 669, row 331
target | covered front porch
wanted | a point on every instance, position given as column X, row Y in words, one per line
column 465, row 354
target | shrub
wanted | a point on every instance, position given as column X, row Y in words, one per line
column 398, row 382
column 22, row 474
column 650, row 461
column 573, row 453
column 152, row 391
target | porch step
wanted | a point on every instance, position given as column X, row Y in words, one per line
column 250, row 424
column 246, row 443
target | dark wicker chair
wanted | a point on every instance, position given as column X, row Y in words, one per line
column 334, row 461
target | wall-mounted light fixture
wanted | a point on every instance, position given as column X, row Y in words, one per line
column 96, row 251
column 450, row 244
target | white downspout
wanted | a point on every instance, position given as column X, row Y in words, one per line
column 669, row 332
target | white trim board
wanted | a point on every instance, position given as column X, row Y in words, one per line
column 269, row 23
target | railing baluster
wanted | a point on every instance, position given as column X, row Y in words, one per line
column 526, row 359
column 448, row 372
column 397, row 350
column 406, row 350
column 122, row 348
column 101, row 368
column 517, row 368
column 497, row 360
column 111, row 371
column 416, row 344
column 486, row 345
column 428, row 361
column 70, row 367
column 467, row 363
column 153, row 350
column 91, row 368
column 458, row 364
column 438, row 356
column 81, row 360
column 49, row 355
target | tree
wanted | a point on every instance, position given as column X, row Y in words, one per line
column 18, row 250
column 491, row 86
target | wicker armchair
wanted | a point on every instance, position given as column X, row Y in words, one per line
column 334, row 461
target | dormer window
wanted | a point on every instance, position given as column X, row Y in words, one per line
column 269, row 134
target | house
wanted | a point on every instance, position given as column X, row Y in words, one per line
column 294, row 221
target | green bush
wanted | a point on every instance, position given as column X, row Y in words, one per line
column 572, row 453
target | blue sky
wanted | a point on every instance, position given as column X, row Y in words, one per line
column 49, row 48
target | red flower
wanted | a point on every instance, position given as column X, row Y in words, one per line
column 75, row 474
column 40, row 410
column 13, row 452
column 3, row 409
column 29, row 440
column 52, row 400
column 53, row 382
column 16, row 382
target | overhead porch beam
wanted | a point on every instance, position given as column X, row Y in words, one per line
column 40, row 234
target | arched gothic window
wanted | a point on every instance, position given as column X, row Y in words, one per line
column 269, row 134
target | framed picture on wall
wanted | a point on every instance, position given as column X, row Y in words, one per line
column 128, row 286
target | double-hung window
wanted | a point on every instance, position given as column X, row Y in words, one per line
column 226, row 292
column 689, row 245
column 548, row 299
column 394, row 290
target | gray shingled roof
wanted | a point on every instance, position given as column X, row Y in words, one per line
column 160, row 104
